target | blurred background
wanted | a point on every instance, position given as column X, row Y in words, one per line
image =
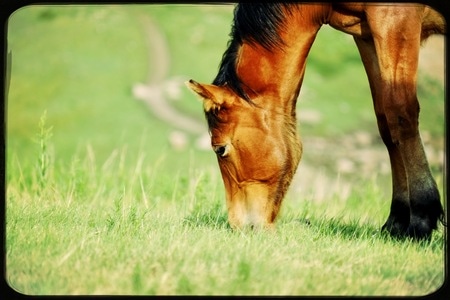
column 111, row 76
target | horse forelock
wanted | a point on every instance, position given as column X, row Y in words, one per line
column 213, row 119
column 256, row 24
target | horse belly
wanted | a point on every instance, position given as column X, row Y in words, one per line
column 349, row 18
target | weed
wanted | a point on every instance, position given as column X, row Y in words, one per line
column 44, row 157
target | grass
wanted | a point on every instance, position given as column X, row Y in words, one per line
column 122, row 229
column 98, row 202
column 90, row 231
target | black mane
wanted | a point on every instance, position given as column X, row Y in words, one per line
column 256, row 23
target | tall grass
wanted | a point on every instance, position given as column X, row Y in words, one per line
column 126, row 229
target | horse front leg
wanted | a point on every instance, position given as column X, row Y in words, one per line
column 394, row 49
column 398, row 220
column 424, row 200
column 426, row 208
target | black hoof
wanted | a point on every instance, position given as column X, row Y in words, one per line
column 424, row 219
column 420, row 228
column 417, row 221
column 417, row 229
column 395, row 228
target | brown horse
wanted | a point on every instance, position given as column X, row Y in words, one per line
column 250, row 106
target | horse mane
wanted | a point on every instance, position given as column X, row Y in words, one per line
column 255, row 23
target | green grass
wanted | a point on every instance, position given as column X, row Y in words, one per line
column 123, row 230
column 98, row 202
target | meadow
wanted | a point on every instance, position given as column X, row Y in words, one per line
column 99, row 202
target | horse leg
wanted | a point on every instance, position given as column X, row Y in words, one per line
column 398, row 220
column 393, row 85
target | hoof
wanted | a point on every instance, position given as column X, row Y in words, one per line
column 395, row 229
column 396, row 226
column 420, row 229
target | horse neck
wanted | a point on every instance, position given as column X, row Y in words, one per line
column 273, row 77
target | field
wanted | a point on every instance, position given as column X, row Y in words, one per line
column 105, row 196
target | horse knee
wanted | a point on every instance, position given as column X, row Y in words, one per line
column 403, row 122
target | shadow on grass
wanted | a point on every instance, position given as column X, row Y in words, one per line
column 215, row 217
column 355, row 230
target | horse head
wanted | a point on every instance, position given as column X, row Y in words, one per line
column 257, row 150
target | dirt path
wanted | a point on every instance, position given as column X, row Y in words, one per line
column 159, row 90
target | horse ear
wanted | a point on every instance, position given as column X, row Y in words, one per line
column 214, row 97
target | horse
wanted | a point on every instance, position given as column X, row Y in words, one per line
column 250, row 105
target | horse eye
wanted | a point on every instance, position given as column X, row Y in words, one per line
column 222, row 151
